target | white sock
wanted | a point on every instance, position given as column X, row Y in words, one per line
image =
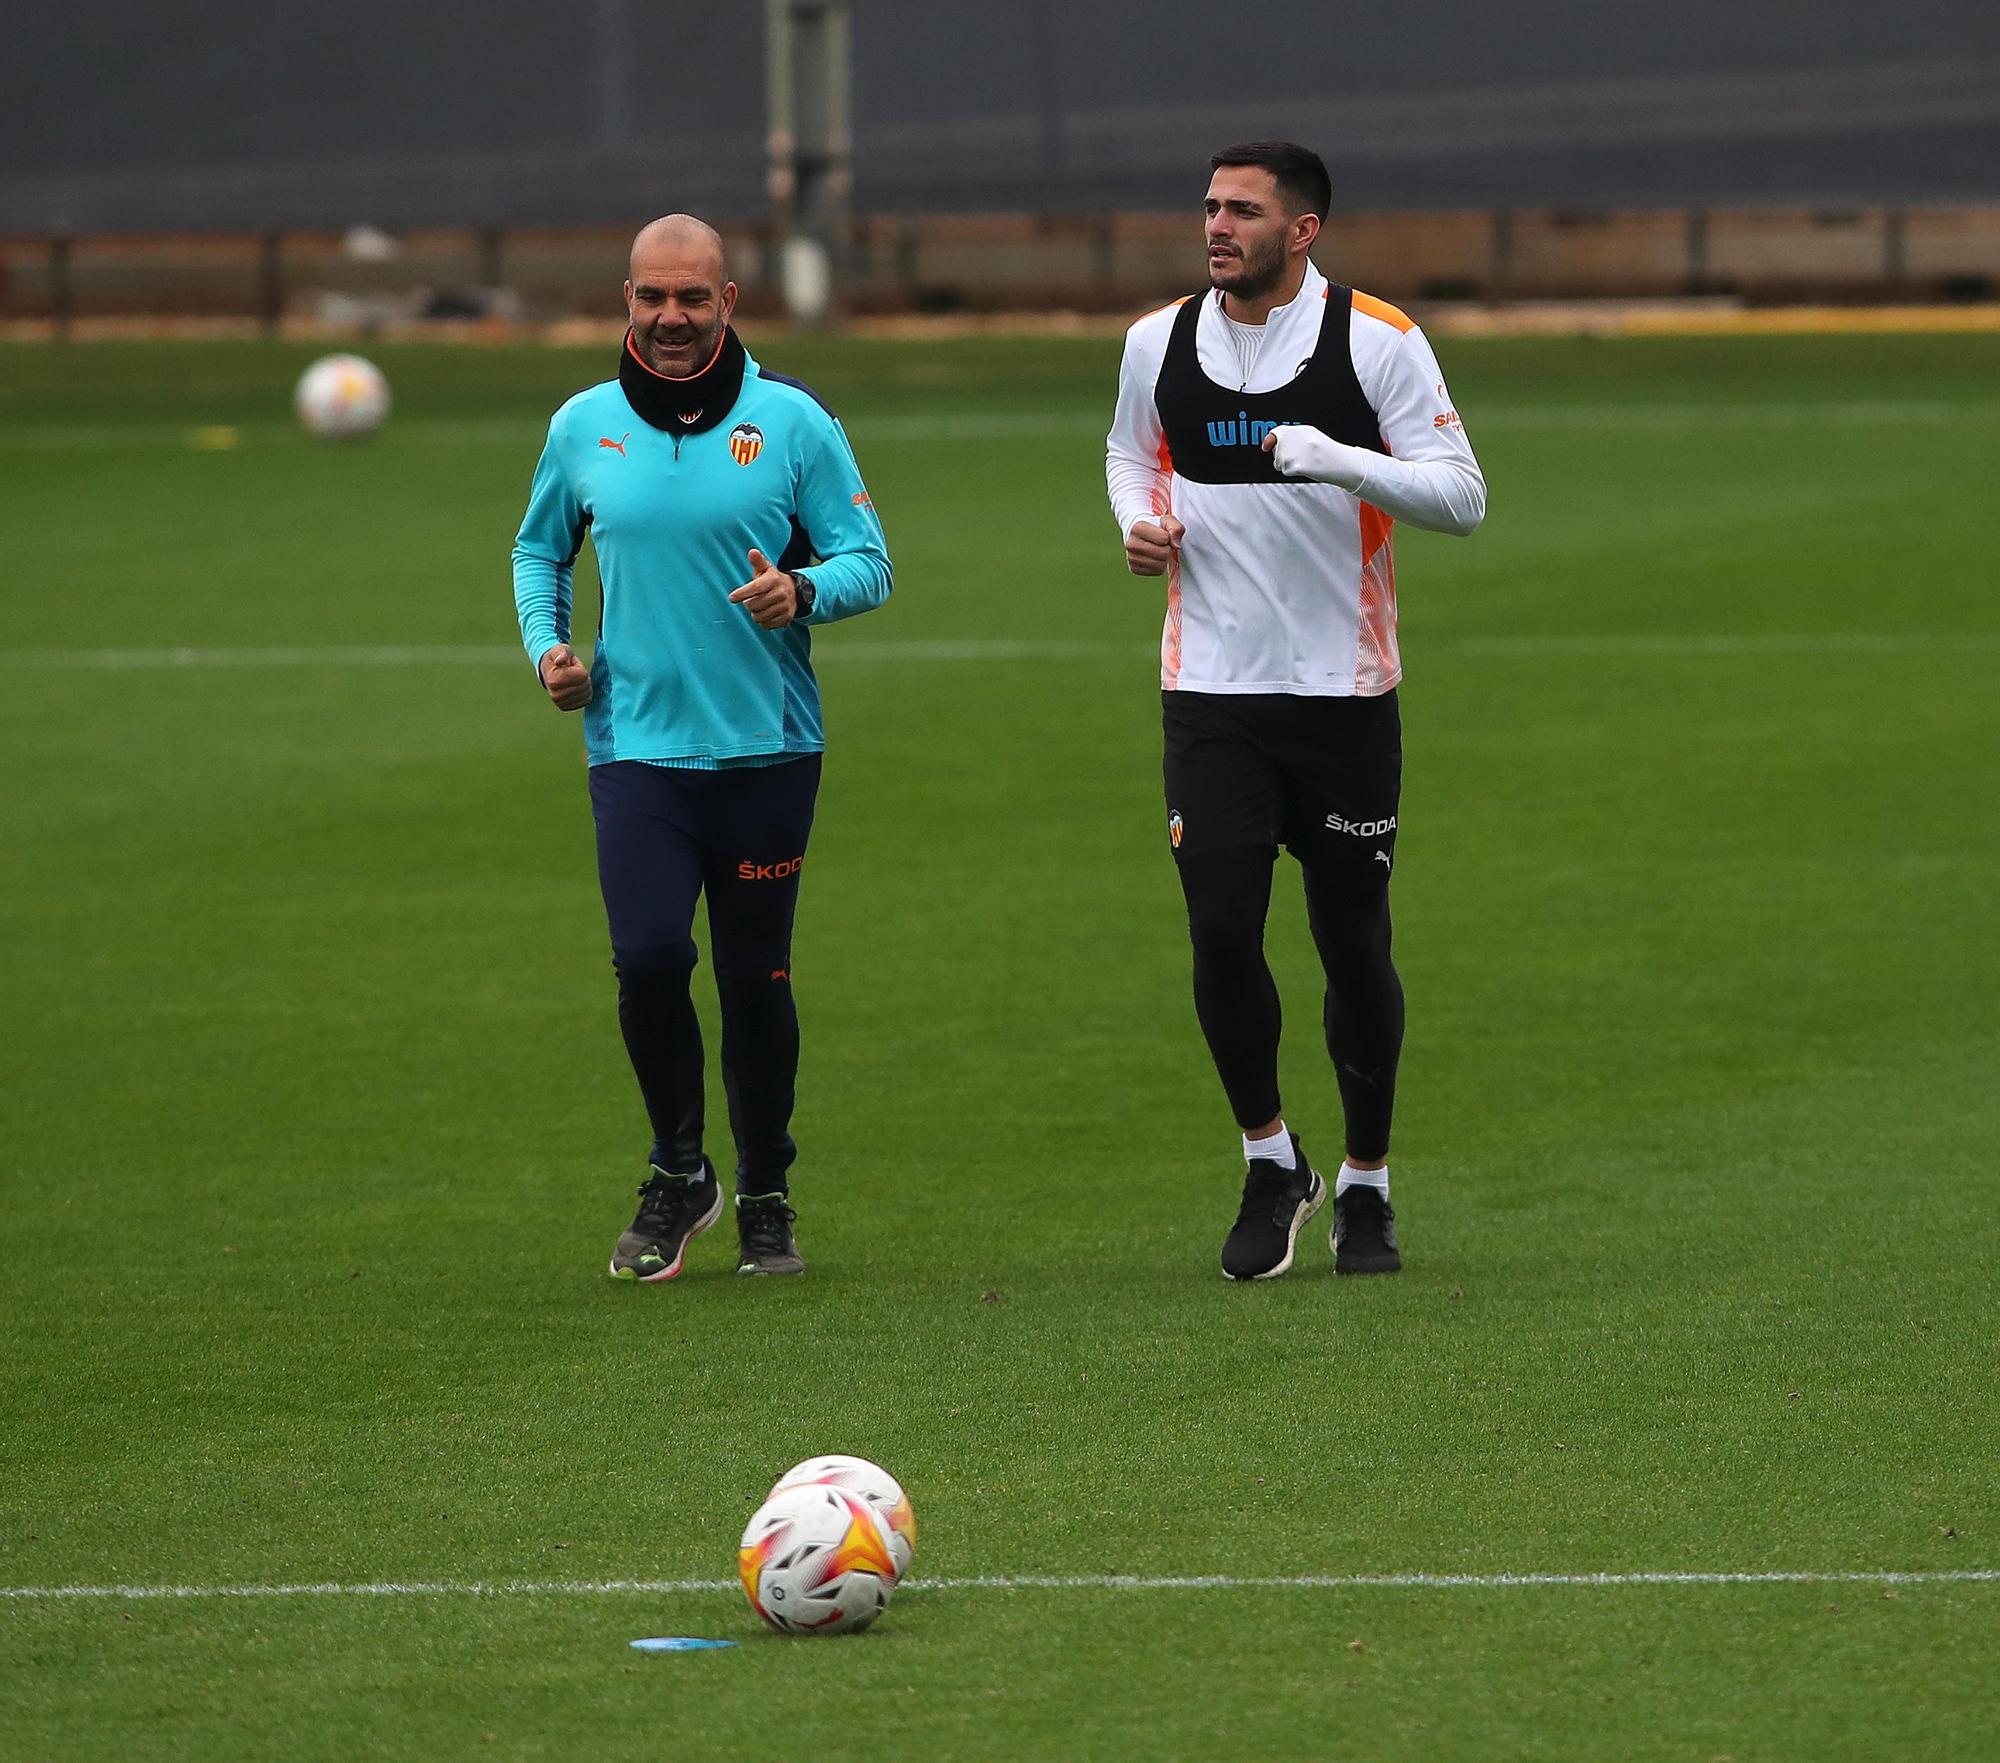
column 1276, row 1149
column 1378, row 1179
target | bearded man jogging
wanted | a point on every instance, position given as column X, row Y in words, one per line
column 692, row 471
column 1268, row 434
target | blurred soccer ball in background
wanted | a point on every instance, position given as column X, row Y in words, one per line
column 342, row 398
column 875, row 1485
column 815, row 1560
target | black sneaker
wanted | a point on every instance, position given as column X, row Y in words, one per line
column 673, row 1211
column 764, row 1232
column 1276, row 1203
column 1364, row 1232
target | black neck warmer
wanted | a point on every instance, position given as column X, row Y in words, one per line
column 684, row 406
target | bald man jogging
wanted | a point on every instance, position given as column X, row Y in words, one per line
column 1268, row 434
column 728, row 517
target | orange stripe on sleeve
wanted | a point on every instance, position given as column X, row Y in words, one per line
column 1381, row 309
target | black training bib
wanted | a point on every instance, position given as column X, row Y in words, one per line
column 1216, row 436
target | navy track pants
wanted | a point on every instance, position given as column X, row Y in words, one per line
column 665, row 837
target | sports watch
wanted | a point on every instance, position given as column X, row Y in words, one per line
column 802, row 585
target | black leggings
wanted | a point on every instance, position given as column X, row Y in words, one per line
column 664, row 838
column 1228, row 898
column 1322, row 777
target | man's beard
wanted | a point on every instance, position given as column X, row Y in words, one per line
column 1260, row 271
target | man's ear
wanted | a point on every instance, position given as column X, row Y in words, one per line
column 1307, row 230
column 628, row 296
column 728, row 300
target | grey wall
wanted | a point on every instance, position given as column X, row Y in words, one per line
column 241, row 113
column 236, row 113
column 1081, row 103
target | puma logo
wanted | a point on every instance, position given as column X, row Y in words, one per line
column 617, row 446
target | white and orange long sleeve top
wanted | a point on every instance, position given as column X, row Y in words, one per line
column 1285, row 581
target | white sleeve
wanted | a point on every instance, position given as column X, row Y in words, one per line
column 1429, row 478
column 1135, row 476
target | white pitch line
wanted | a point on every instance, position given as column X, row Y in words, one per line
column 327, row 655
column 488, row 654
column 1023, row 424
column 1031, row 649
column 974, row 425
column 1723, row 643
column 1031, row 1582
column 974, row 649
column 1852, row 413
column 1448, row 1581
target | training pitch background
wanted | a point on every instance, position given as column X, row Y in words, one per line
column 318, row 1129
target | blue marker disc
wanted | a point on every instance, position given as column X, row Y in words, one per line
column 678, row 1643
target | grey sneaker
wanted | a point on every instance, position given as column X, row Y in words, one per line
column 673, row 1211
column 764, row 1231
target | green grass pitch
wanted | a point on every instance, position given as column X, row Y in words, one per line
column 317, row 1129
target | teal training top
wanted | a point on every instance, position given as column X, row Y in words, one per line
column 681, row 676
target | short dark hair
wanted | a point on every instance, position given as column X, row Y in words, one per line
column 1300, row 173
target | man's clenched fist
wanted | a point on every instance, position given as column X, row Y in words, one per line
column 1150, row 545
column 1299, row 450
column 567, row 679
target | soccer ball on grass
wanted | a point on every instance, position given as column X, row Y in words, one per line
column 342, row 398
column 815, row 1560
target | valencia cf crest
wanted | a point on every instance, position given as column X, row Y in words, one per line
column 1174, row 828
column 746, row 441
